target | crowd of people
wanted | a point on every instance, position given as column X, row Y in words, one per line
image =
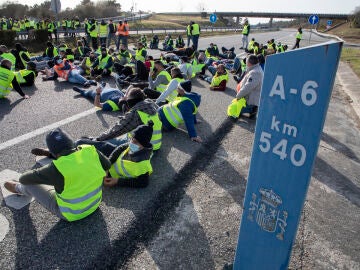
column 153, row 95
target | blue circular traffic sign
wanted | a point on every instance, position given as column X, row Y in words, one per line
column 213, row 18
column 313, row 19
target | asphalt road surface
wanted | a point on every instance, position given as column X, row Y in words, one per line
column 129, row 219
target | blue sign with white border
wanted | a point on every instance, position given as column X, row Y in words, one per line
column 213, row 18
column 294, row 100
column 313, row 19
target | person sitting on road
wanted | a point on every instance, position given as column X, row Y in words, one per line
column 154, row 43
column 250, row 86
column 170, row 92
column 227, row 53
column 86, row 64
column 22, row 56
column 140, row 53
column 102, row 65
column 138, row 110
column 219, row 79
column 131, row 166
column 198, row 65
column 123, row 57
column 106, row 98
column 75, row 173
column 182, row 110
column 168, row 44
column 26, row 77
column 187, row 51
column 180, row 43
column 64, row 69
column 185, row 67
column 6, row 54
column 160, row 83
column 8, row 80
column 81, row 50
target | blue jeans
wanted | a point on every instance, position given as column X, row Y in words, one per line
column 249, row 109
column 195, row 40
column 111, row 36
column 212, row 70
column 75, row 77
column 105, row 147
column 104, row 96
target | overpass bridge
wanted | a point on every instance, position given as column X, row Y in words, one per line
column 270, row 15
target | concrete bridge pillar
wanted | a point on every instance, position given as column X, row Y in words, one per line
column 270, row 22
column 237, row 20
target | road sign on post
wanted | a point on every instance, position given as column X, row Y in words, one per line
column 313, row 19
column 213, row 18
column 294, row 100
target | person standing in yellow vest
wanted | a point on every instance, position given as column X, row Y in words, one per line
column 131, row 166
column 103, row 32
column 298, row 38
column 188, row 34
column 245, row 35
column 93, row 32
column 70, row 187
column 195, row 34
column 8, row 80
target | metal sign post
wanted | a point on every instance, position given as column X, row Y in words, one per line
column 294, row 100
column 313, row 20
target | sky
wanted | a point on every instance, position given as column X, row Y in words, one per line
column 305, row 6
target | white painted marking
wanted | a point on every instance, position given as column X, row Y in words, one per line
column 293, row 91
column 11, row 199
column 4, row 227
column 47, row 128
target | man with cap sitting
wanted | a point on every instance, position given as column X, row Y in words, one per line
column 103, row 64
column 138, row 110
column 182, row 110
column 131, row 165
column 70, row 186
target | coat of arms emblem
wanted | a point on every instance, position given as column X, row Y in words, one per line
column 266, row 213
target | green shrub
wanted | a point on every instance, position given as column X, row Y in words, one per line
column 41, row 36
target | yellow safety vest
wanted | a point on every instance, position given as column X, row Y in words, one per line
column 156, row 137
column 88, row 64
column 188, row 30
column 245, row 30
column 298, row 35
column 113, row 105
column 83, row 177
column 235, row 107
column 94, row 32
column 174, row 93
column 216, row 80
column 123, row 168
column 21, row 74
column 103, row 30
column 11, row 58
column 172, row 112
column 196, row 67
column 6, row 77
column 162, row 87
column 138, row 55
column 103, row 61
column 21, row 57
column 195, row 29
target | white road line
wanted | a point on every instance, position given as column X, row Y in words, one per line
column 42, row 130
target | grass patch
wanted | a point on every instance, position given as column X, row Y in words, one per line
column 352, row 56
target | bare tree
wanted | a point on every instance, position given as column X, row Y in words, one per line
column 201, row 7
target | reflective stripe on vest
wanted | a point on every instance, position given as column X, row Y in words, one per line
column 21, row 74
column 123, row 168
column 21, row 57
column 156, row 137
column 216, row 80
column 172, row 112
column 11, row 58
column 113, row 105
column 103, row 30
column 83, row 176
column 162, row 87
column 103, row 61
column 6, row 77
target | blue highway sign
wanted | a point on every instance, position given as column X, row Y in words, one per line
column 313, row 19
column 213, row 18
column 329, row 22
column 294, row 100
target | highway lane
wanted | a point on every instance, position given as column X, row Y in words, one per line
column 122, row 209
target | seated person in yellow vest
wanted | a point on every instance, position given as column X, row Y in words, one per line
column 170, row 93
column 219, row 79
column 86, row 64
column 182, row 110
column 123, row 57
column 70, row 187
column 66, row 70
column 106, row 98
column 8, row 80
column 131, row 166
column 180, row 43
column 26, row 77
column 162, row 79
column 22, row 56
column 212, row 52
column 185, row 67
column 140, row 53
column 5, row 54
column 81, row 50
column 198, row 65
column 103, row 64
column 168, row 44
column 250, row 86
column 137, row 111
column 69, row 55
column 124, row 74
